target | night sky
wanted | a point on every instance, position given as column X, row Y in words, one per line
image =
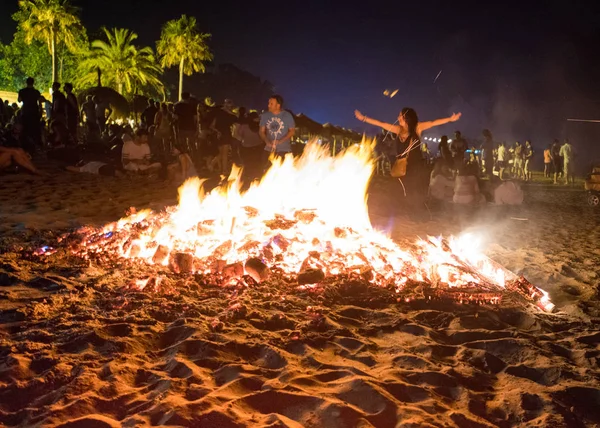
column 516, row 68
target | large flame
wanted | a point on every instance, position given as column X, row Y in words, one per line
column 306, row 213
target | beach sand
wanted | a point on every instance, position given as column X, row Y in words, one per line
column 81, row 347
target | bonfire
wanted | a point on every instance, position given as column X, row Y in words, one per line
column 306, row 222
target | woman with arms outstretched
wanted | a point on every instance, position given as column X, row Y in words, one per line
column 408, row 131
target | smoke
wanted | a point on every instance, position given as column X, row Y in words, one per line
column 522, row 99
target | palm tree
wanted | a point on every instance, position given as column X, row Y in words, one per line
column 181, row 43
column 124, row 67
column 52, row 22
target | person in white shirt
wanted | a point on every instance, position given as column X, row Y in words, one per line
column 566, row 152
column 136, row 154
column 501, row 160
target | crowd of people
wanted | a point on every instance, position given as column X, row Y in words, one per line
column 187, row 133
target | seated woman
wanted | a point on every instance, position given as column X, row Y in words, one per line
column 466, row 186
column 136, row 154
column 441, row 184
column 182, row 169
column 11, row 156
column 508, row 193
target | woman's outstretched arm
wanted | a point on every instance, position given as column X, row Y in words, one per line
column 424, row 126
column 387, row 126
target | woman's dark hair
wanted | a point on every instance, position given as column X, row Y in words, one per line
column 253, row 121
column 411, row 119
column 486, row 133
column 444, row 139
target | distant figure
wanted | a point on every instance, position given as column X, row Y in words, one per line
column 277, row 127
column 527, row 156
column 88, row 110
column 547, row 160
column 72, row 112
column 518, row 161
column 444, row 150
column 31, row 114
column 556, row 161
column 8, row 111
column 59, row 105
column 252, row 147
column 488, row 153
column 101, row 108
column 162, row 122
column 458, row 147
column 149, row 114
column 501, row 160
column 187, row 125
column 222, row 125
column 566, row 152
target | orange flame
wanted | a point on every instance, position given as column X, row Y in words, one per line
column 309, row 212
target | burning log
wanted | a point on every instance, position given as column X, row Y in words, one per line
column 249, row 247
column 310, row 276
column 234, row 270
column 205, row 227
column 223, row 249
column 161, row 254
column 340, row 232
column 524, row 287
column 305, row 216
column 281, row 242
column 182, row 263
column 463, row 295
column 251, row 211
column 280, row 222
column 257, row 270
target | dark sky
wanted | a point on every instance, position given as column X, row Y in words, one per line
column 519, row 68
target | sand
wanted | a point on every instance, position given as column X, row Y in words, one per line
column 81, row 347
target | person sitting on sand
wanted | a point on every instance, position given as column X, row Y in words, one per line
column 136, row 154
column 14, row 156
column 508, row 193
column 182, row 169
column 441, row 183
column 466, row 186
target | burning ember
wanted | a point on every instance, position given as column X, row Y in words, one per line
column 306, row 221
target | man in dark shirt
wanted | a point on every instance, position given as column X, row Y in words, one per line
column 59, row 104
column 458, row 147
column 149, row 114
column 72, row 112
column 88, row 110
column 222, row 124
column 187, row 126
column 31, row 113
